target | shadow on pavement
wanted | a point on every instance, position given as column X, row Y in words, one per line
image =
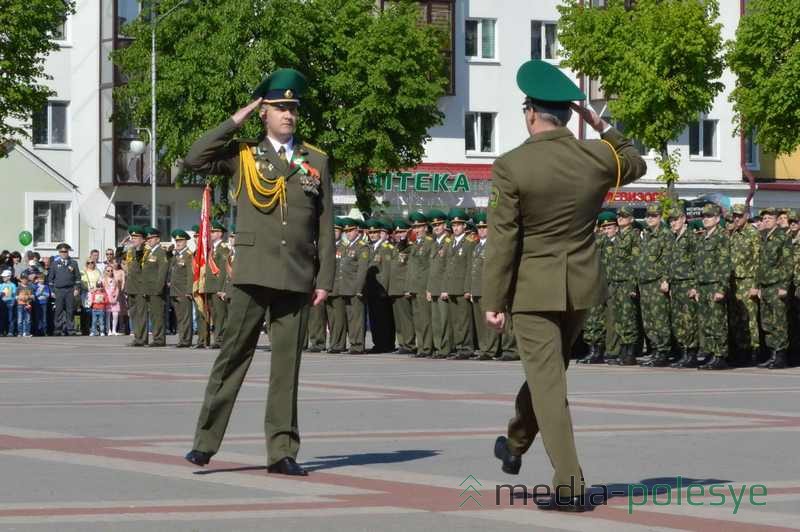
column 334, row 461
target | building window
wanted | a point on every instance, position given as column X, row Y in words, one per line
column 751, row 150
column 479, row 133
column 703, row 138
column 479, row 39
column 60, row 32
column 544, row 40
column 50, row 124
column 49, row 222
column 129, row 213
column 127, row 12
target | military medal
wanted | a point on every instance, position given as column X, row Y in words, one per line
column 309, row 180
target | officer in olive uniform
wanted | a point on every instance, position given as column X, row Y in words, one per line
column 713, row 271
column 682, row 291
column 417, row 284
column 546, row 270
column 134, row 286
column 379, row 303
column 181, row 277
column 334, row 305
column 653, row 280
column 488, row 339
column 458, row 254
column 317, row 329
column 351, row 276
column 213, row 290
column 440, row 322
column 64, row 279
column 623, row 297
column 401, row 300
column 284, row 205
column 774, row 276
column 742, row 307
column 155, row 268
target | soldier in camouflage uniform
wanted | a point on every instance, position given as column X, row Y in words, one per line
column 774, row 275
column 682, row 292
column 654, row 286
column 743, row 308
column 713, row 270
column 625, row 253
column 595, row 327
column 417, row 284
column 440, row 323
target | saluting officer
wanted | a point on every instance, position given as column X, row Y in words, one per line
column 155, row 268
column 64, row 279
column 181, row 277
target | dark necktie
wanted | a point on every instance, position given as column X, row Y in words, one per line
column 282, row 153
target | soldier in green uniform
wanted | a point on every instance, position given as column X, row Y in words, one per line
column 440, row 322
column 742, row 307
column 155, row 268
column 488, row 339
column 379, row 303
column 214, row 290
column 458, row 253
column 713, row 271
column 284, row 206
column 548, row 271
column 774, row 275
column 133, row 286
column 653, row 279
column 417, row 284
column 398, row 280
column 595, row 329
column 334, row 306
column 351, row 276
column 682, row 292
column 181, row 277
column 622, row 285
column 317, row 329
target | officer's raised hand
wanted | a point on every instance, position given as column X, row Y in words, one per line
column 240, row 116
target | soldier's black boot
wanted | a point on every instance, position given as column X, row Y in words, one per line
column 779, row 360
column 627, row 355
column 595, row 355
column 767, row 363
column 660, row 360
column 754, row 357
column 715, row 363
column 688, row 360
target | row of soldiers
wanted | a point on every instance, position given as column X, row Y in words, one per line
column 709, row 298
column 417, row 282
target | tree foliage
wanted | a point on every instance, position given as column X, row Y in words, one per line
column 375, row 78
column 766, row 60
column 26, row 29
column 660, row 59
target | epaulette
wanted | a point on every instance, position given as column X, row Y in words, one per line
column 224, row 245
column 388, row 245
column 315, row 148
column 428, row 238
column 447, row 240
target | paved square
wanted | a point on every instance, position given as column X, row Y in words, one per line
column 92, row 436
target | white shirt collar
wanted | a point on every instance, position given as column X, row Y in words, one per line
column 441, row 237
column 459, row 238
column 483, row 241
column 289, row 146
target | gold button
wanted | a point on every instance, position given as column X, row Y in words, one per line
column 283, row 222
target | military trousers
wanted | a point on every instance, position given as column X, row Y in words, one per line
column 714, row 321
column 317, row 327
column 743, row 315
column 544, row 341
column 626, row 311
column 64, row 321
column 183, row 316
column 137, row 312
column 403, row 322
column 683, row 314
column 655, row 315
column 354, row 308
column 594, row 330
column 153, row 314
column 422, row 314
column 460, row 313
column 219, row 317
column 381, row 322
column 203, row 324
column 337, row 322
column 440, row 327
column 288, row 319
column 774, row 320
column 488, row 339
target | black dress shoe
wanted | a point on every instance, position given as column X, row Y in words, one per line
column 198, row 458
column 355, row 352
column 422, row 355
column 509, row 357
column 287, row 466
column 511, row 463
column 216, row 346
column 156, row 345
column 715, row 363
column 314, row 350
column 335, row 351
column 183, row 345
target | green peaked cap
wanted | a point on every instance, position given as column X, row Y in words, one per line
column 547, row 83
column 285, row 85
column 457, row 214
column 480, row 219
column 179, row 234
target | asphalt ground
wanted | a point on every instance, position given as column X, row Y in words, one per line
column 92, row 435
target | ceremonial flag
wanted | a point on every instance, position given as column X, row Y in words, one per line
column 203, row 257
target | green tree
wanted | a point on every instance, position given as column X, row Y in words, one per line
column 375, row 77
column 26, row 38
column 660, row 59
column 766, row 60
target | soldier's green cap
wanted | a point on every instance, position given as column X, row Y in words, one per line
column 606, row 218
column 792, row 214
column 739, row 209
column 768, row 210
column 470, row 227
column 400, row 225
column 696, row 224
column 711, row 209
column 654, row 209
column 373, row 224
column 675, row 213
column 386, row 223
column 362, row 224
column 151, row 231
column 233, row 229
column 457, row 214
column 218, row 226
column 179, row 234
column 624, row 212
column 348, row 224
column 417, row 219
column 285, row 85
column 480, row 219
column 136, row 230
column 63, row 247
column 195, row 228
column 542, row 81
column 338, row 222
column 437, row 217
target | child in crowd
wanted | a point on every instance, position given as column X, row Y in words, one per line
column 24, row 306
column 42, row 293
column 8, row 292
column 112, row 299
column 97, row 302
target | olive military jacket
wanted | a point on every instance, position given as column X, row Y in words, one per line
column 181, row 273
column 419, row 265
column 775, row 260
column 340, row 248
column 275, row 247
column 379, row 269
column 351, row 272
column 216, row 283
column 398, row 271
column 546, row 195
column 475, row 269
column 133, row 270
column 713, row 260
column 654, row 254
column 155, row 268
column 438, row 266
column 458, row 255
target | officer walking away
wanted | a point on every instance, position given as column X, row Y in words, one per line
column 64, row 279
